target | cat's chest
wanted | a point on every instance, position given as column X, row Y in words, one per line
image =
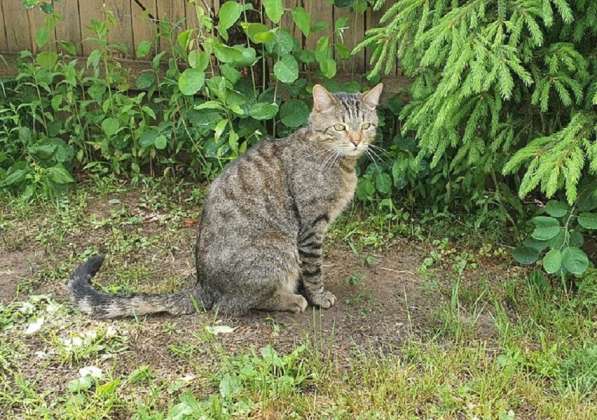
column 347, row 183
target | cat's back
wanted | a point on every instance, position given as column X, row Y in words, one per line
column 259, row 171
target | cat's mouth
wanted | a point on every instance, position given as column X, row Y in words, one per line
column 353, row 151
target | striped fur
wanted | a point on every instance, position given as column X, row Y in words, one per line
column 264, row 220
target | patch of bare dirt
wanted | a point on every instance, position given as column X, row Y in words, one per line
column 16, row 267
column 378, row 311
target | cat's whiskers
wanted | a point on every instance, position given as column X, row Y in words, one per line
column 373, row 154
column 331, row 158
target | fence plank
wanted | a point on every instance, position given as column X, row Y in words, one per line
column 320, row 11
column 37, row 19
column 144, row 27
column 174, row 12
column 3, row 44
column 287, row 22
column 350, row 38
column 69, row 29
column 89, row 11
column 122, row 32
column 18, row 35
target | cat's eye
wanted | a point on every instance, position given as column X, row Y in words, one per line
column 365, row 126
column 339, row 127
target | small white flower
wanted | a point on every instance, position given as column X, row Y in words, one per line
column 92, row 371
column 34, row 327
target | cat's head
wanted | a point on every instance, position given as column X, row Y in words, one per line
column 348, row 121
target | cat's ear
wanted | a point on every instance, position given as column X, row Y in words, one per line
column 322, row 99
column 371, row 97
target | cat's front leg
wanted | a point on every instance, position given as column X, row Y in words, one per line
column 310, row 251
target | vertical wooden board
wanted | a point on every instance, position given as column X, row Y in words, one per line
column 89, row 10
column 18, row 28
column 287, row 23
column 350, row 38
column 144, row 25
column 320, row 11
column 3, row 45
column 174, row 12
column 37, row 19
column 122, row 32
column 69, row 29
column 191, row 13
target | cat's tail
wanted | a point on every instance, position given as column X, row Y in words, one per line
column 102, row 305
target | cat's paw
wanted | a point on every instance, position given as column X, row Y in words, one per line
column 299, row 305
column 325, row 299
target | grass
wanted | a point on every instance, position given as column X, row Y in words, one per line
column 498, row 342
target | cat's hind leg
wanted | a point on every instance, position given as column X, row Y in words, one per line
column 284, row 301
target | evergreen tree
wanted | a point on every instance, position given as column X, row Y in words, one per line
column 502, row 91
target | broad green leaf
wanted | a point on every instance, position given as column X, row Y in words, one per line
column 198, row 59
column 286, row 70
column 285, row 42
column 235, row 55
column 143, row 49
column 575, row 260
column 110, row 126
column 230, row 73
column 588, row 220
column 383, row 182
column 60, row 175
column 229, row 14
column 190, row 81
column 576, row 239
column 552, row 261
column 14, row 178
column 145, row 80
column 42, row 36
column 525, row 255
column 535, row 244
column 258, row 32
column 328, row 67
column 183, row 39
column 274, row 9
column 219, row 129
column 148, row 137
column 160, row 142
column 294, row 113
column 47, row 59
column 322, row 49
column 263, row 111
column 545, row 227
column 365, row 189
column 556, row 208
column 302, row 20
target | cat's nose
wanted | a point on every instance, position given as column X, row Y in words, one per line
column 355, row 137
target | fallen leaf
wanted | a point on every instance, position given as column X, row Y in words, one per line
column 219, row 329
column 34, row 327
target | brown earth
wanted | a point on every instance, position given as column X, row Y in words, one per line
column 379, row 305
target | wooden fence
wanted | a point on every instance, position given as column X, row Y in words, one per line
column 18, row 26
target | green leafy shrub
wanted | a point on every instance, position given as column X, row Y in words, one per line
column 497, row 85
column 222, row 86
column 558, row 234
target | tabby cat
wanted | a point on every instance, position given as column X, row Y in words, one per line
column 264, row 220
